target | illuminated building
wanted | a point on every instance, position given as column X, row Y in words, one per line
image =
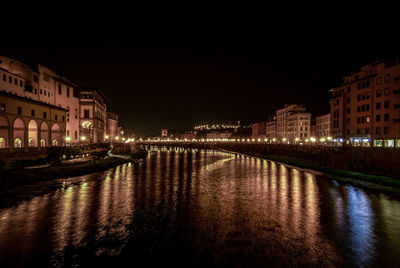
column 39, row 83
column 112, row 126
column 365, row 109
column 93, row 116
column 258, row 130
column 30, row 123
column 323, row 126
column 271, row 129
column 292, row 121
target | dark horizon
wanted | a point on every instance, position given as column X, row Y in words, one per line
column 163, row 76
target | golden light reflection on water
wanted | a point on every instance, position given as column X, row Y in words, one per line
column 234, row 205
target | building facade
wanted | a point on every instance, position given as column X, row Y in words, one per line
column 323, row 126
column 281, row 118
column 258, row 130
column 29, row 123
column 112, row 126
column 298, row 126
column 271, row 129
column 365, row 109
column 93, row 116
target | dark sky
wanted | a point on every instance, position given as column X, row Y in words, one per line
column 167, row 72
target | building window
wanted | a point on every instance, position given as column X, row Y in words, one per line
column 386, row 117
column 348, row 110
column 379, row 80
column 10, row 79
column 32, row 112
column 367, row 84
column 367, row 118
column 76, row 134
column 67, row 92
column 378, row 106
column 378, row 93
column 16, row 81
column 20, row 83
column 59, row 90
column 63, row 119
column 378, row 118
column 19, row 110
column 35, row 78
column 76, row 113
column 4, row 77
column 48, row 94
column 3, row 107
column 386, row 130
column 41, row 91
column 396, row 92
column 378, row 130
column 348, row 100
column 56, row 117
column 85, row 113
column 45, row 92
column 367, row 107
column 358, row 97
column 387, row 91
column 44, row 115
column 387, row 78
column 386, row 104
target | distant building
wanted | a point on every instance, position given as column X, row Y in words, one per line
column 219, row 135
column 298, row 126
column 365, row 109
column 112, row 126
column 188, row 136
column 164, row 132
column 292, row 122
column 258, row 130
column 271, row 129
column 323, row 126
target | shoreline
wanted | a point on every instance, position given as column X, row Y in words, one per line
column 370, row 181
column 14, row 178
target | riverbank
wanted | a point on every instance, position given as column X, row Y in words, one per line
column 13, row 178
column 374, row 182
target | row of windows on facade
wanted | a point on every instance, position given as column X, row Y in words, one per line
column 33, row 113
column 378, row 93
column 366, row 83
column 10, row 80
column 378, row 131
column 76, row 134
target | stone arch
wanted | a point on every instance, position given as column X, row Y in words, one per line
column 44, row 134
column 55, row 135
column 3, row 132
column 32, row 134
column 19, row 133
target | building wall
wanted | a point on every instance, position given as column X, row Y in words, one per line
column 365, row 109
column 258, row 130
column 35, row 124
column 281, row 119
column 298, row 126
column 323, row 125
column 271, row 129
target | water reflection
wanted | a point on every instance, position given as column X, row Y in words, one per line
column 202, row 207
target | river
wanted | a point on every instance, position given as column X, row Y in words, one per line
column 199, row 208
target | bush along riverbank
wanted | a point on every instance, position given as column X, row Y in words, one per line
column 375, row 182
column 17, row 177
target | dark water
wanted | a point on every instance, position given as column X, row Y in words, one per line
column 200, row 208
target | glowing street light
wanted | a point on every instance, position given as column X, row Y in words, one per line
column 67, row 138
column 83, row 138
column 312, row 139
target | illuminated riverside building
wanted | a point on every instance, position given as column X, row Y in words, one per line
column 270, row 129
column 86, row 118
column 28, row 123
column 323, row 126
column 112, row 126
column 41, row 84
column 365, row 109
column 258, row 130
column 292, row 122
column 93, row 115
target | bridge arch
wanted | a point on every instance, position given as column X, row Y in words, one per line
column 3, row 132
column 32, row 134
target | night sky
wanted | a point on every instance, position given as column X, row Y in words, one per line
column 175, row 73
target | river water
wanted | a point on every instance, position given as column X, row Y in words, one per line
column 199, row 208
